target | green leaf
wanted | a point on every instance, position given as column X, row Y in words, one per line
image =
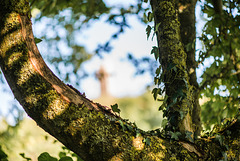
column 3, row 155
column 175, row 135
column 164, row 123
column 76, row 156
column 122, row 125
column 23, row 155
column 220, row 138
column 148, row 31
column 189, row 46
column 170, row 66
column 147, row 141
column 62, row 154
column 66, row 159
column 115, row 108
column 181, row 114
column 130, row 128
column 163, row 106
column 46, row 157
column 138, row 133
column 156, row 80
column 150, row 16
column 37, row 40
column 189, row 136
column 158, row 70
column 155, row 92
column 155, row 51
column 157, row 26
column 145, row 1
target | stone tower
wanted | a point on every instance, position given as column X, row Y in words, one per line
column 102, row 76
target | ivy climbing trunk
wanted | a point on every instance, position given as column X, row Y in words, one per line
column 173, row 60
column 186, row 14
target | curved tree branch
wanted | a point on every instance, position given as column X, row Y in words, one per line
column 92, row 131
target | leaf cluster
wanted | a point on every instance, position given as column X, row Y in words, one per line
column 64, row 155
column 220, row 80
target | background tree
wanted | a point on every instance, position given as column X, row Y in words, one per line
column 96, row 132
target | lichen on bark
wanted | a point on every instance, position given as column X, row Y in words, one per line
column 173, row 62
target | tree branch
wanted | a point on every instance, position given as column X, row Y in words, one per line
column 92, row 131
column 173, row 62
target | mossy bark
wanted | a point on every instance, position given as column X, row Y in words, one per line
column 90, row 130
column 186, row 14
column 173, row 61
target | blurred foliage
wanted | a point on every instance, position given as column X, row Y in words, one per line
column 142, row 110
column 220, row 84
column 26, row 138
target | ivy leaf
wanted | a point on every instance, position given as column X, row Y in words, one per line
column 220, row 138
column 150, row 16
column 130, row 128
column 23, row 155
column 148, row 31
column 3, row 155
column 225, row 157
column 46, row 157
column 115, row 108
column 181, row 114
column 155, row 92
column 174, row 135
column 171, row 66
column 147, row 141
column 174, row 101
column 164, row 103
column 155, row 52
column 189, row 46
column 66, row 159
column 189, row 136
column 164, row 123
column 37, row 40
column 77, row 157
column 138, row 133
column 122, row 125
column 157, row 26
column 158, row 70
column 156, row 80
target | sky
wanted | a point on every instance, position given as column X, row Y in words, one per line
column 122, row 81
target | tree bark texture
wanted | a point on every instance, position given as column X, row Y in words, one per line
column 173, row 61
column 91, row 130
column 186, row 14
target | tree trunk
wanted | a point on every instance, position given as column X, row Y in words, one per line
column 186, row 14
column 173, row 61
column 92, row 131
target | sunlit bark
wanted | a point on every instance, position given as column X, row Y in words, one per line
column 92, row 131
